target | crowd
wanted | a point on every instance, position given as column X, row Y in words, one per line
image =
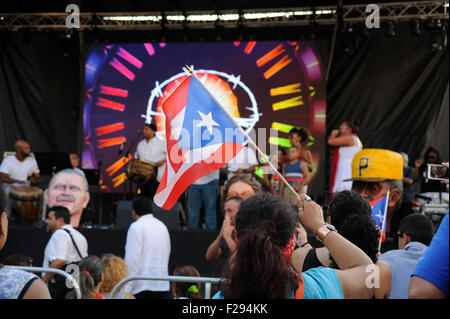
column 262, row 246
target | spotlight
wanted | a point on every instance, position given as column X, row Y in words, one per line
column 390, row 31
column 416, row 27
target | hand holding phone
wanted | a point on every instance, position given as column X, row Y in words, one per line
column 437, row 172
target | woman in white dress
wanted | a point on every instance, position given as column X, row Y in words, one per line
column 346, row 144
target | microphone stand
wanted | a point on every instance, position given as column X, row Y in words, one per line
column 130, row 147
column 99, row 189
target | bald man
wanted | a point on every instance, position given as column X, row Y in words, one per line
column 20, row 169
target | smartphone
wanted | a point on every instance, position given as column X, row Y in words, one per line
column 437, row 172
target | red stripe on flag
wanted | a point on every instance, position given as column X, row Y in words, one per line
column 375, row 201
column 176, row 101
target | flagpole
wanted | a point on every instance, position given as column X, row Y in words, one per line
column 383, row 225
column 243, row 132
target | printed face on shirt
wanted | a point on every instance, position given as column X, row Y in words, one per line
column 240, row 189
column 68, row 190
column 231, row 208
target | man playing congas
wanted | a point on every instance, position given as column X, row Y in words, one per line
column 19, row 170
column 153, row 150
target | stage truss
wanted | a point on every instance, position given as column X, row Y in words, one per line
column 249, row 18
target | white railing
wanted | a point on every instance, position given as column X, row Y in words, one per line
column 206, row 280
column 54, row 271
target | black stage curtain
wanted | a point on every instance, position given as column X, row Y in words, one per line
column 39, row 91
column 395, row 86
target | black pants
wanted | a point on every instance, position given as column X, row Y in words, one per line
column 146, row 294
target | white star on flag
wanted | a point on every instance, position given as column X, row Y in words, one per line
column 207, row 121
column 380, row 216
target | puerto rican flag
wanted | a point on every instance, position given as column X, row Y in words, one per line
column 379, row 214
column 201, row 137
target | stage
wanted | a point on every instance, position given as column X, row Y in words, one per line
column 187, row 247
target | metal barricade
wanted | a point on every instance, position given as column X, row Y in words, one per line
column 206, row 280
column 54, row 271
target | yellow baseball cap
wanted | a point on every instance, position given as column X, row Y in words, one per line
column 376, row 165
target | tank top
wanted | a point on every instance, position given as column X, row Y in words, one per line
column 14, row 283
column 344, row 165
column 293, row 172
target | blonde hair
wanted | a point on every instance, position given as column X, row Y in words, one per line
column 115, row 269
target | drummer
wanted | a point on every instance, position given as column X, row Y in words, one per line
column 153, row 150
column 20, row 169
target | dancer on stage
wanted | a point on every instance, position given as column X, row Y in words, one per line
column 346, row 144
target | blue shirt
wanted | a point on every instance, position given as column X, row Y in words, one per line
column 320, row 283
column 433, row 265
column 402, row 263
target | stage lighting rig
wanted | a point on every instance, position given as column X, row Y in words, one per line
column 390, row 30
column 416, row 27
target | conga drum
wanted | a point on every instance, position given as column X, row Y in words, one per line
column 140, row 171
column 28, row 200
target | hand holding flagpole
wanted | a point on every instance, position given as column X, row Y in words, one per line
column 244, row 133
column 383, row 225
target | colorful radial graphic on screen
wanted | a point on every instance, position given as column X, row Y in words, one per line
column 276, row 85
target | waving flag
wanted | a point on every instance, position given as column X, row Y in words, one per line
column 201, row 137
column 379, row 214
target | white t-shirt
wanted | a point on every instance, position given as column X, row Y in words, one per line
column 207, row 178
column 60, row 246
column 18, row 170
column 246, row 158
column 147, row 252
column 152, row 151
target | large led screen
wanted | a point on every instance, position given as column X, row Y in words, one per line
column 263, row 85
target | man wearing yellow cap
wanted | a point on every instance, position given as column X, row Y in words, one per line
column 374, row 173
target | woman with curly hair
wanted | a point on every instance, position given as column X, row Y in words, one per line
column 351, row 214
column 115, row 269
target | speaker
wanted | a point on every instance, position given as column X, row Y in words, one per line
column 168, row 217
column 124, row 216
